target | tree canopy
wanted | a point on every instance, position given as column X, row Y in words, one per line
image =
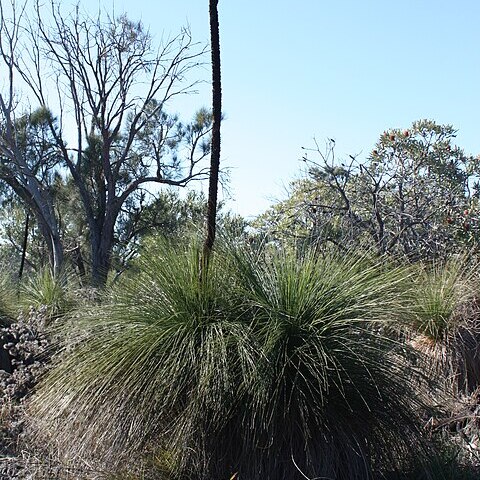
column 416, row 195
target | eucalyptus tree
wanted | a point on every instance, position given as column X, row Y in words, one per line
column 27, row 149
column 111, row 86
column 29, row 159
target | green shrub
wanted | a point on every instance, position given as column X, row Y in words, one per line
column 443, row 290
column 47, row 289
column 8, row 300
column 333, row 395
column 446, row 320
column 166, row 345
column 267, row 364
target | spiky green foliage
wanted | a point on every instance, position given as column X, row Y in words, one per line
column 446, row 317
column 8, row 300
column 443, row 291
column 45, row 288
column 266, row 365
column 333, row 395
column 167, row 348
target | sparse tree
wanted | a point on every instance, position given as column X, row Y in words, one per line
column 27, row 154
column 112, row 86
column 416, row 195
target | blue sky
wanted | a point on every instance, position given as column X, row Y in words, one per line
column 344, row 69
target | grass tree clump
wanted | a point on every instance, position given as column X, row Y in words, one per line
column 333, row 396
column 159, row 366
column 269, row 365
column 8, row 300
column 47, row 290
column 446, row 320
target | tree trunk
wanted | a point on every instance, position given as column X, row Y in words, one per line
column 57, row 253
column 53, row 242
column 217, row 117
column 40, row 204
column 100, row 261
column 24, row 246
column 102, row 239
column 78, row 261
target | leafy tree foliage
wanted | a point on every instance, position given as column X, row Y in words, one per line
column 169, row 214
column 166, row 213
column 416, row 195
column 29, row 161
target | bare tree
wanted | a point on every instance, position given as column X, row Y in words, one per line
column 112, row 88
column 24, row 175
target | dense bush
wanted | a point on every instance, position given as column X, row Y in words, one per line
column 44, row 289
column 414, row 196
column 269, row 364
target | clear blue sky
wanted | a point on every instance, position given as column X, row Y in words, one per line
column 345, row 69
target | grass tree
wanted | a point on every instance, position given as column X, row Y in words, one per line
column 271, row 366
column 333, row 396
column 48, row 290
column 446, row 320
column 151, row 363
